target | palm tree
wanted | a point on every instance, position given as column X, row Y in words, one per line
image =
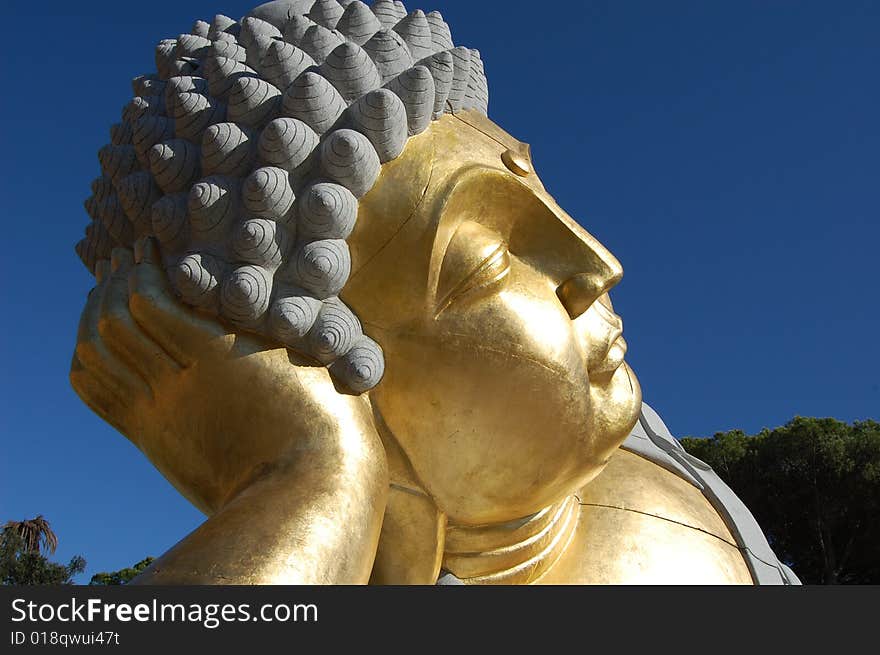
column 36, row 534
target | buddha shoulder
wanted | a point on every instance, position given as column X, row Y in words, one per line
column 658, row 515
column 639, row 523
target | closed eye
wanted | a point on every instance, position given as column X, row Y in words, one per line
column 476, row 258
column 493, row 269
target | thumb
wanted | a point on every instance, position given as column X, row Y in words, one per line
column 170, row 323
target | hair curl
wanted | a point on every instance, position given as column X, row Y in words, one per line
column 246, row 154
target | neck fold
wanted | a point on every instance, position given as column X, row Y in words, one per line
column 517, row 552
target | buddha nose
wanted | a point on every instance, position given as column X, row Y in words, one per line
column 600, row 271
column 580, row 292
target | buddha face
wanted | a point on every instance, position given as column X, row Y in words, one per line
column 505, row 383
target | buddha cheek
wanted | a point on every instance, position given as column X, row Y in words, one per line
column 493, row 431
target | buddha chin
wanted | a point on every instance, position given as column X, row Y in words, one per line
column 495, row 435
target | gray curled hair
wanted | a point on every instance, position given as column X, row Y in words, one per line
column 246, row 154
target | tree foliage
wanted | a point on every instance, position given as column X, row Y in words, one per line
column 122, row 576
column 814, row 487
column 24, row 546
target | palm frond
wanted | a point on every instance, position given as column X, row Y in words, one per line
column 36, row 533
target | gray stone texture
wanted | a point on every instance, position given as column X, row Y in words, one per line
column 246, row 152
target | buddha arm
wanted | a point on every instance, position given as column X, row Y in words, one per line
column 314, row 520
column 291, row 471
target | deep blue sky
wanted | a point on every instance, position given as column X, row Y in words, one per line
column 726, row 152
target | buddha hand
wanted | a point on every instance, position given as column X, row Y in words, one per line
column 247, row 431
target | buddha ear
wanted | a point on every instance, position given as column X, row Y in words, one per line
column 413, row 533
column 410, row 550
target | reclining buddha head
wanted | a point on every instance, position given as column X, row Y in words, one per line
column 323, row 175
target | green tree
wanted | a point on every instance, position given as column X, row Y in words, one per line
column 24, row 546
column 814, row 487
column 122, row 576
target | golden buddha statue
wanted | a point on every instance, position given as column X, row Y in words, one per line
column 487, row 431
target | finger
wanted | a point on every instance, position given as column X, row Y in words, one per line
column 169, row 322
column 94, row 355
column 121, row 333
column 121, row 261
column 102, row 270
column 106, row 402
